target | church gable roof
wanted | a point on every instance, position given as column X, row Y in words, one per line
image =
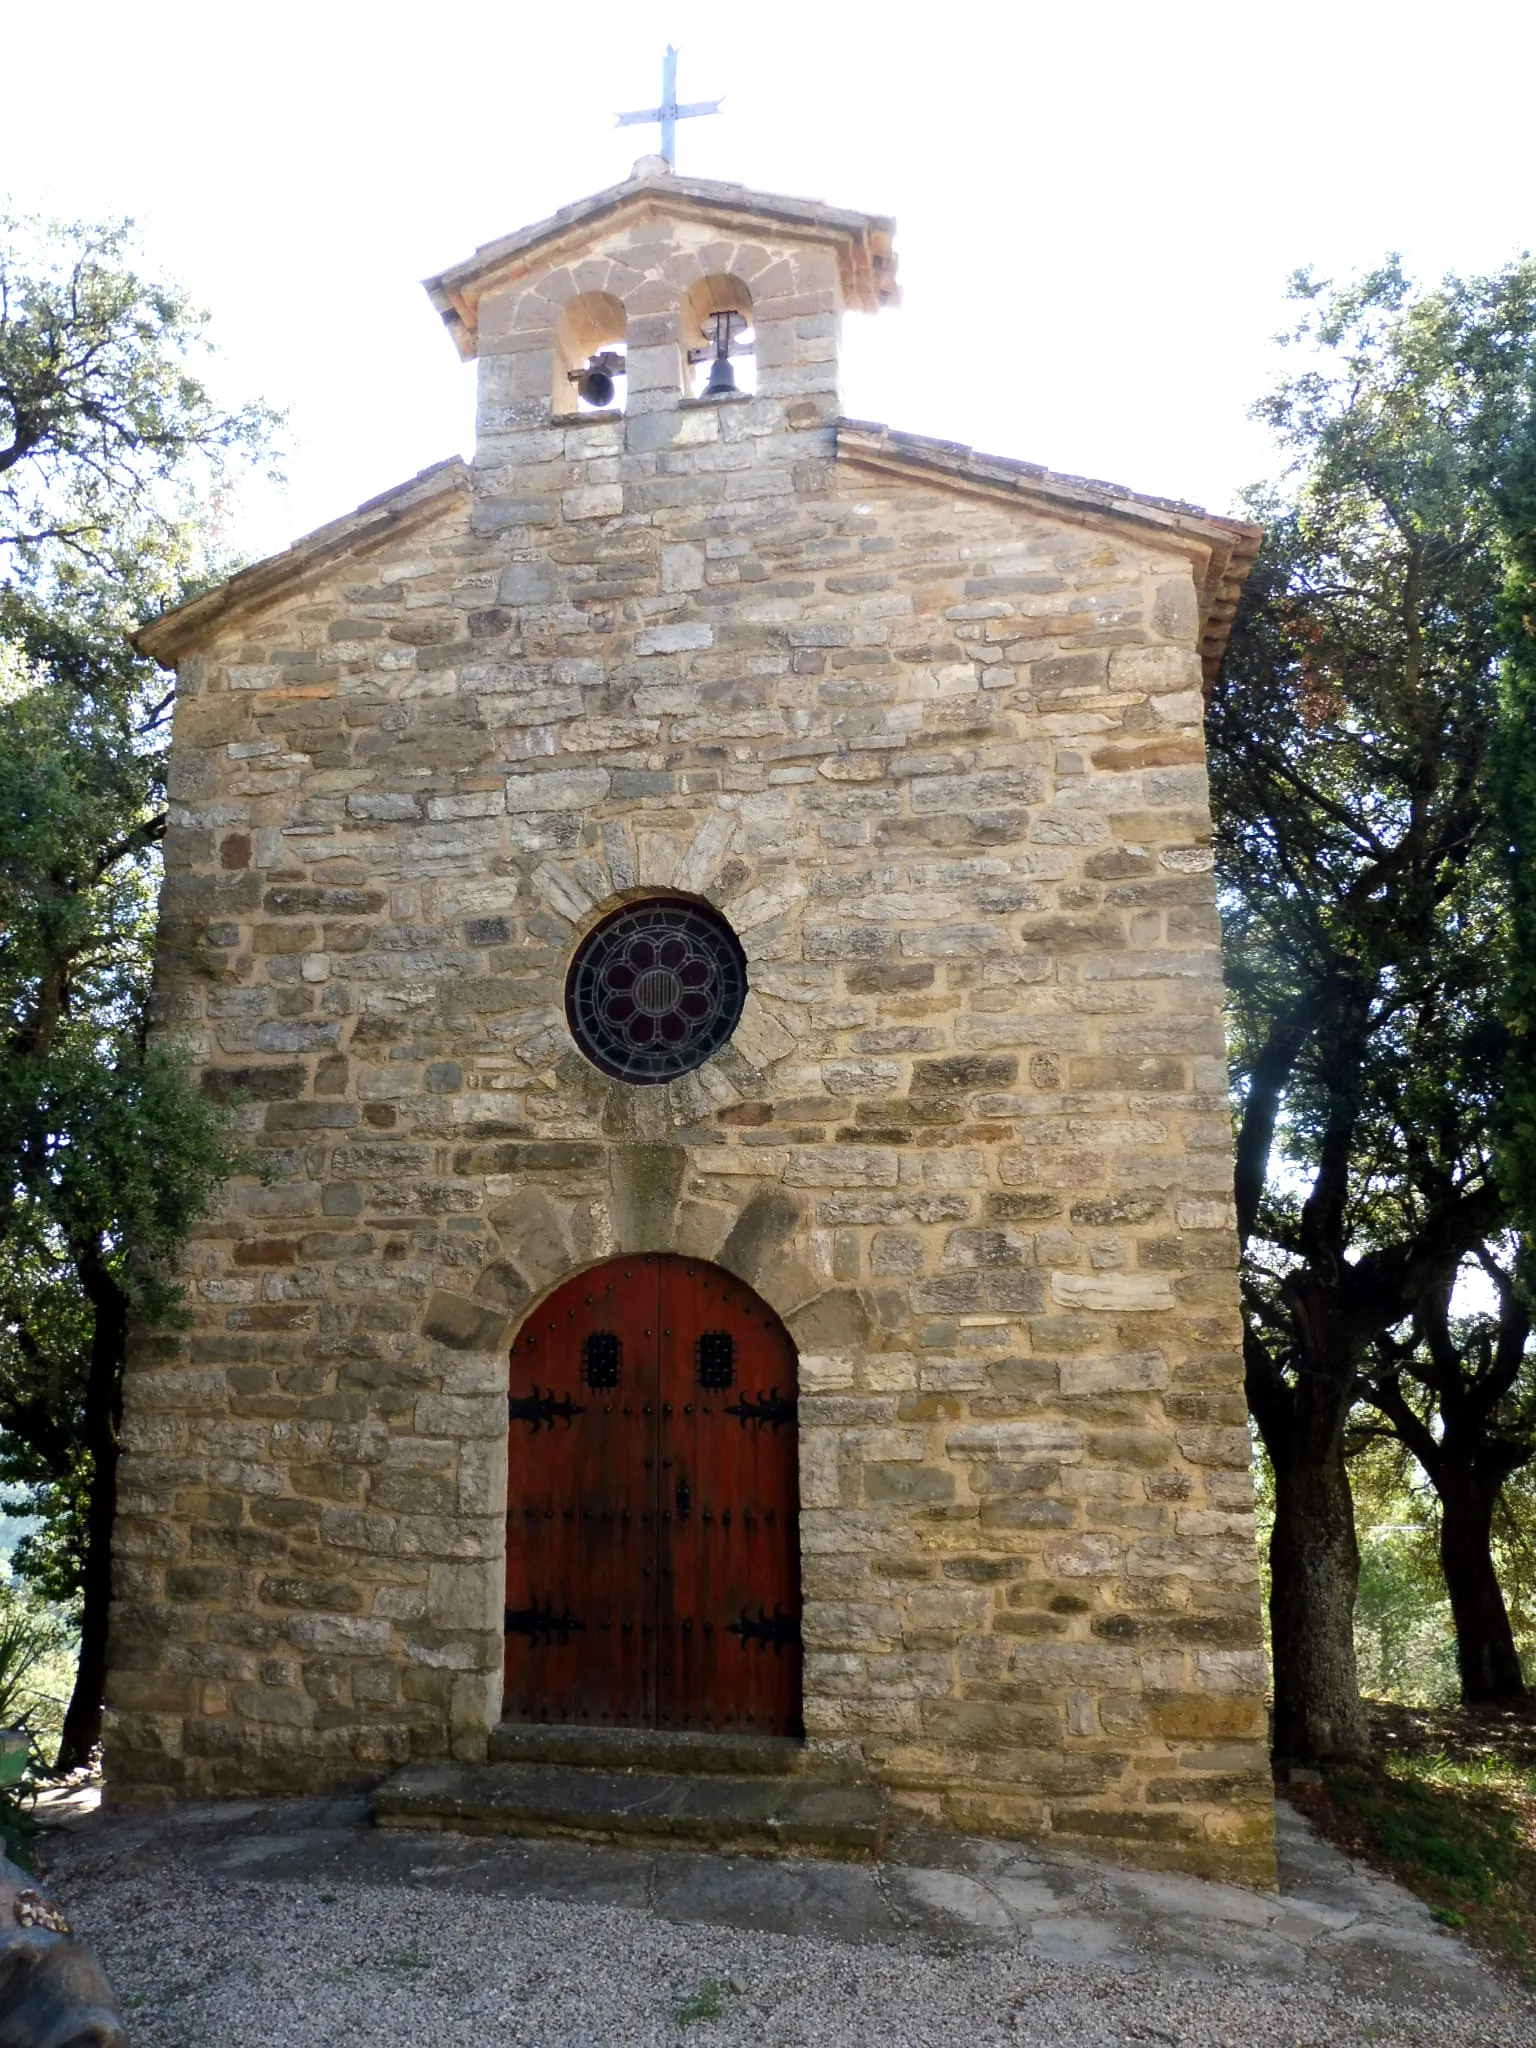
column 1223, row 550
column 863, row 241
column 373, row 524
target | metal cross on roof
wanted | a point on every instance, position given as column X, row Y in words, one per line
column 669, row 113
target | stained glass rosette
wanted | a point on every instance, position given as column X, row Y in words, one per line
column 655, row 990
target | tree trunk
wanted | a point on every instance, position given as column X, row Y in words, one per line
column 1314, row 1570
column 1485, row 1642
column 82, row 1721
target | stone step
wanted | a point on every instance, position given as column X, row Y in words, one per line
column 657, row 1749
column 752, row 1815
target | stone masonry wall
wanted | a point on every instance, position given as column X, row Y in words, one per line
column 938, row 758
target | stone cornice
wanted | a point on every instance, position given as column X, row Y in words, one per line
column 863, row 241
column 1222, row 550
column 387, row 517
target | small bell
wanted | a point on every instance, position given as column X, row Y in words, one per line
column 722, row 377
column 594, row 380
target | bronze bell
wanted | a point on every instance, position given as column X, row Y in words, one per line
column 594, row 380
column 722, row 377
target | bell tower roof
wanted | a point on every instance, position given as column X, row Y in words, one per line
column 862, row 242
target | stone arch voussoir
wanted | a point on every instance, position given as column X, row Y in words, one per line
column 630, row 862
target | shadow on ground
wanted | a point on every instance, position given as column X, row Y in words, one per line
column 1335, row 1925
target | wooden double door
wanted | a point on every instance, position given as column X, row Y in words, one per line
column 653, row 1552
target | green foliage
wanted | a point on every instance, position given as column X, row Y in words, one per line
column 1367, row 899
column 108, row 1154
column 1404, row 1642
column 1447, row 1805
column 113, row 457
column 1363, row 889
column 1514, row 1550
column 36, row 1645
column 120, row 1155
column 37, row 1662
column 707, row 2002
column 109, row 440
column 1515, row 785
column 411, row 1961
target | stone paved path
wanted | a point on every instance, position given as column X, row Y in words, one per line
column 294, row 1922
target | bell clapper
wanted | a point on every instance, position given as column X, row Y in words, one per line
column 730, row 331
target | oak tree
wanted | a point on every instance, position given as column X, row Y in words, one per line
column 1364, row 899
column 111, row 451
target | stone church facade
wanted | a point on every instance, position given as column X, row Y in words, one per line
column 923, row 728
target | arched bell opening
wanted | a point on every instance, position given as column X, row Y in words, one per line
column 718, row 338
column 590, row 358
column 653, row 1542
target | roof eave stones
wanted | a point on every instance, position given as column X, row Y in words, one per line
column 391, row 515
column 1221, row 551
column 864, row 242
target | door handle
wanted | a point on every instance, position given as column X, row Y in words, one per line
column 684, row 1500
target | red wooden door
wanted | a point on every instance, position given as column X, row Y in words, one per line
column 581, row 1503
column 653, row 1560
column 729, row 1622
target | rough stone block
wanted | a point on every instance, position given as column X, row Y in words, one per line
column 462, row 1324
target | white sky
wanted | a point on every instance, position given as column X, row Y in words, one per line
column 1097, row 206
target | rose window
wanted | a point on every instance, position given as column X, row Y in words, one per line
column 656, row 989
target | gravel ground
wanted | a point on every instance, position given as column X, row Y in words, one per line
column 204, row 1962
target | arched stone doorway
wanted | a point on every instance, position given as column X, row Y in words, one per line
column 653, row 1546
